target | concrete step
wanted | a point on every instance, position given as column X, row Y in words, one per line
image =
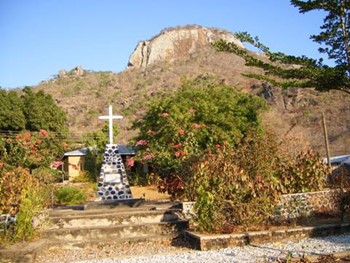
column 52, row 244
column 101, row 224
column 22, row 252
column 113, row 232
column 98, row 208
column 28, row 252
column 114, row 217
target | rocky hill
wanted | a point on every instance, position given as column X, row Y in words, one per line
column 177, row 43
column 160, row 63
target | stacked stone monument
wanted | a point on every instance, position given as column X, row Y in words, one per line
column 112, row 182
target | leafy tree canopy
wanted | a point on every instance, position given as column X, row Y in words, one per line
column 334, row 35
column 287, row 70
column 41, row 112
column 32, row 127
column 34, row 112
column 31, row 111
column 98, row 139
column 11, row 111
column 202, row 114
column 292, row 71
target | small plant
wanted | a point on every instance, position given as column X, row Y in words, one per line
column 83, row 177
column 306, row 173
column 137, row 179
column 104, row 80
column 30, row 207
column 69, row 195
column 14, row 184
column 173, row 185
column 206, row 210
column 341, row 180
column 24, row 195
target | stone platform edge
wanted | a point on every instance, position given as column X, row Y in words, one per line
column 135, row 202
column 211, row 242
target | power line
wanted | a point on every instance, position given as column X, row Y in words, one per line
column 72, row 137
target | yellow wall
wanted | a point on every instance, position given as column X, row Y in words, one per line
column 73, row 166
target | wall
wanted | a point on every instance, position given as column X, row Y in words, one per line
column 73, row 165
column 305, row 204
column 293, row 206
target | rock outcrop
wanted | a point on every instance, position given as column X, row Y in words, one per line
column 77, row 71
column 176, row 43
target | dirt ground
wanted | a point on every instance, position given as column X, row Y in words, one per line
column 150, row 193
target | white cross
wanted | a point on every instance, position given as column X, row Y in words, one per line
column 110, row 118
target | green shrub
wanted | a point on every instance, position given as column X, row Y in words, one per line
column 30, row 207
column 26, row 159
column 137, row 179
column 69, row 195
column 207, row 144
column 24, row 194
column 239, row 186
column 306, row 173
column 184, row 124
column 91, row 165
column 340, row 179
column 83, row 177
column 227, row 195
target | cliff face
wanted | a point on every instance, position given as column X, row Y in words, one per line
column 176, row 43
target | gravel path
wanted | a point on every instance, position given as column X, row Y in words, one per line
column 161, row 253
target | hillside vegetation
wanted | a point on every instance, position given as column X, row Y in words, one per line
column 294, row 113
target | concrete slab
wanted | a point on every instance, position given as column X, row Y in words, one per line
column 211, row 242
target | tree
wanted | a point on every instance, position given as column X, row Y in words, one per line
column 98, row 139
column 287, row 70
column 31, row 111
column 202, row 114
column 41, row 112
column 291, row 71
column 35, row 127
column 26, row 178
column 335, row 30
column 11, row 111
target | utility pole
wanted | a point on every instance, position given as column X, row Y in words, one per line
column 325, row 134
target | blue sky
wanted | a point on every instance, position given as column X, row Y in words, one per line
column 40, row 37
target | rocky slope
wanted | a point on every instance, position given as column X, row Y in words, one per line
column 159, row 64
column 176, row 43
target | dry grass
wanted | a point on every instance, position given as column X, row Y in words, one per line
column 86, row 97
column 150, row 193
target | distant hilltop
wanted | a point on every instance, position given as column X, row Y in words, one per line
column 177, row 43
